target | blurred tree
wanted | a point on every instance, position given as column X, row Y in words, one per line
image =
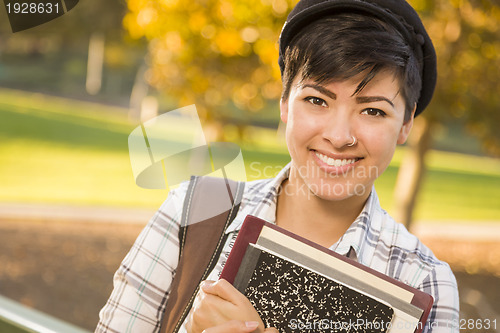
column 212, row 53
column 93, row 28
column 100, row 23
column 87, row 17
column 466, row 35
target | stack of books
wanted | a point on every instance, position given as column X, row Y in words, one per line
column 299, row 286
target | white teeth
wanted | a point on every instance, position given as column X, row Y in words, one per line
column 335, row 162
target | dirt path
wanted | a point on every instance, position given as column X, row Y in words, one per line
column 63, row 269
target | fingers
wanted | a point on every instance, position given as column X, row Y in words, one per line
column 234, row 326
column 218, row 303
column 271, row 330
column 224, row 290
column 209, row 310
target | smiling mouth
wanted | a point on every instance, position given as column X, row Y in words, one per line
column 335, row 162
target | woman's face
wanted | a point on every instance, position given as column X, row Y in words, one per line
column 322, row 121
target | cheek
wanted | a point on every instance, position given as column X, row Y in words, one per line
column 379, row 156
column 380, row 144
column 294, row 136
column 300, row 131
column 294, row 127
column 303, row 124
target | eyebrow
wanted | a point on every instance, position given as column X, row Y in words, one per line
column 359, row 99
column 370, row 99
column 321, row 89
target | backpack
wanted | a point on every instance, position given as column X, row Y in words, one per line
column 195, row 265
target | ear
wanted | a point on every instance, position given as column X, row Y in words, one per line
column 406, row 128
column 284, row 110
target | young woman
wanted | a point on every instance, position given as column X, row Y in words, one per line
column 355, row 74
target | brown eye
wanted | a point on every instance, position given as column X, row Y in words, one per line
column 374, row 112
column 316, row 101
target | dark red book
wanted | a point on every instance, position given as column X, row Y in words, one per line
column 299, row 286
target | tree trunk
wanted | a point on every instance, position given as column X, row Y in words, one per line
column 139, row 91
column 411, row 171
column 95, row 63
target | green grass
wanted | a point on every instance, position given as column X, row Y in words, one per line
column 60, row 151
column 456, row 187
column 54, row 150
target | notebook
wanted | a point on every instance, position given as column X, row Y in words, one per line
column 299, row 286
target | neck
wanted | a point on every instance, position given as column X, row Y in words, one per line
column 320, row 220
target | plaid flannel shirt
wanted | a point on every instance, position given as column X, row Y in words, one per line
column 142, row 282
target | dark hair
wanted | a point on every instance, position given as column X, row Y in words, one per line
column 344, row 45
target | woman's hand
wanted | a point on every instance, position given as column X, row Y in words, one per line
column 219, row 303
column 237, row 326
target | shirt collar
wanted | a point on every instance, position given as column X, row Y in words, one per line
column 358, row 240
column 261, row 201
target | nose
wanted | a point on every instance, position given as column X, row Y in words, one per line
column 338, row 130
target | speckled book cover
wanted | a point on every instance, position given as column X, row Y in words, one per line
column 299, row 286
column 293, row 298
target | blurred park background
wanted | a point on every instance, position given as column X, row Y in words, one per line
column 73, row 89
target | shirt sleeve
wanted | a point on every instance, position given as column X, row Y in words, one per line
column 141, row 284
column 444, row 315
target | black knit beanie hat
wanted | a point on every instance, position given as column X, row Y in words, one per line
column 398, row 13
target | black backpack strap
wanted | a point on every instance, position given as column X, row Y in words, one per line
column 211, row 204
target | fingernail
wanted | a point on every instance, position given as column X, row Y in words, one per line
column 251, row 324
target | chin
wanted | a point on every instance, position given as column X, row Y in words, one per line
column 337, row 191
